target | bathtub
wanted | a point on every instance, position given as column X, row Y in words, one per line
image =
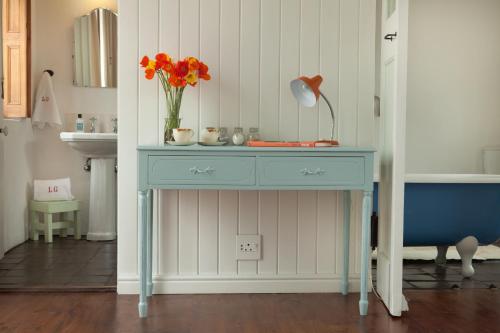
column 452, row 209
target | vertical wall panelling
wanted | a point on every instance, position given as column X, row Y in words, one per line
column 230, row 63
column 289, row 69
column 209, row 116
column 188, row 232
column 250, row 25
column 326, row 231
column 309, row 63
column 189, row 25
column 168, row 254
column 268, row 228
column 287, row 232
column 208, row 232
column 210, row 54
column 269, row 68
column 248, row 216
column 249, row 62
column 328, row 64
column 366, row 74
column 228, row 229
column 168, row 213
column 348, row 71
column 254, row 48
column 306, row 231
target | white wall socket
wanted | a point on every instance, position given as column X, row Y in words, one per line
column 248, row 247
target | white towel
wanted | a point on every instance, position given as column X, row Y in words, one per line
column 52, row 190
column 46, row 111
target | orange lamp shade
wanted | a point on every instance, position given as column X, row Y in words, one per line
column 306, row 90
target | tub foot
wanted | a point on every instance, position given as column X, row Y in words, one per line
column 467, row 247
column 441, row 256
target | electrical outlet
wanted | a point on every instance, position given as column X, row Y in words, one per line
column 248, row 247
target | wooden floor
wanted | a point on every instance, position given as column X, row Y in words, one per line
column 467, row 311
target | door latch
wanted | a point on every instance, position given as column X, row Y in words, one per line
column 391, row 36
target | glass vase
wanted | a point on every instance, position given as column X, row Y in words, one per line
column 171, row 122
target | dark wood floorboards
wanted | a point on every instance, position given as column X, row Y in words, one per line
column 467, row 311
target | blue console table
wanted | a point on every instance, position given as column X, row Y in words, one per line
column 246, row 168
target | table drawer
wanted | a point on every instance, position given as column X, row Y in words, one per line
column 201, row 170
column 311, row 171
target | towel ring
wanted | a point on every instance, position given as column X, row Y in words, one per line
column 50, row 71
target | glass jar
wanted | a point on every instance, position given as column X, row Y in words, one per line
column 238, row 136
column 223, row 135
column 253, row 134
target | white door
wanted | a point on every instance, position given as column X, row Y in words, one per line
column 392, row 154
column 2, row 142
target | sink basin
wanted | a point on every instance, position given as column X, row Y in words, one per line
column 92, row 145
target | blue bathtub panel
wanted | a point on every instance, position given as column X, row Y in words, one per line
column 443, row 214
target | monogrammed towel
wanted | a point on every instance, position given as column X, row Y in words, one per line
column 53, row 190
column 46, row 111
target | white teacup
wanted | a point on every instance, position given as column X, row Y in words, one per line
column 182, row 135
column 210, row 135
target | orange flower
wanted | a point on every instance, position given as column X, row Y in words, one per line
column 181, row 69
column 163, row 57
column 164, row 62
column 168, row 67
column 203, row 72
column 150, row 73
column 192, row 78
column 194, row 64
column 176, row 81
column 144, row 61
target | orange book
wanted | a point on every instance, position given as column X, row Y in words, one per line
column 312, row 144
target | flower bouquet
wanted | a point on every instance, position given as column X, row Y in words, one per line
column 174, row 77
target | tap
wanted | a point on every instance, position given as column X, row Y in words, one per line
column 93, row 121
column 114, row 121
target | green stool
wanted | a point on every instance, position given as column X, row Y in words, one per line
column 47, row 208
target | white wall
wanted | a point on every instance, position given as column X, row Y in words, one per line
column 52, row 48
column 253, row 48
column 453, row 105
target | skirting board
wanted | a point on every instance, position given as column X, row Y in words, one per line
column 238, row 286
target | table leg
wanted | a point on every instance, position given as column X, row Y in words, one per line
column 365, row 252
column 347, row 222
column 150, row 243
column 143, row 218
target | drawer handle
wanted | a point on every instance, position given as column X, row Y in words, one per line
column 309, row 172
column 197, row 171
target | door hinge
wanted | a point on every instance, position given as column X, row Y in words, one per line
column 391, row 36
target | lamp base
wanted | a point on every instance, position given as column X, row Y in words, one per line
column 326, row 143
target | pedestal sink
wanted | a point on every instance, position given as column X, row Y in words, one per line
column 101, row 149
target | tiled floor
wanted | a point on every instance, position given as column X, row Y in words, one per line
column 71, row 264
column 67, row 264
column 419, row 274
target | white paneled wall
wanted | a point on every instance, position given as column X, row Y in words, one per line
column 254, row 48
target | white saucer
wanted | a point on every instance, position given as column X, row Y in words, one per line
column 218, row 143
column 175, row 143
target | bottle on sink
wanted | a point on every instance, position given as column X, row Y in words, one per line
column 79, row 127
